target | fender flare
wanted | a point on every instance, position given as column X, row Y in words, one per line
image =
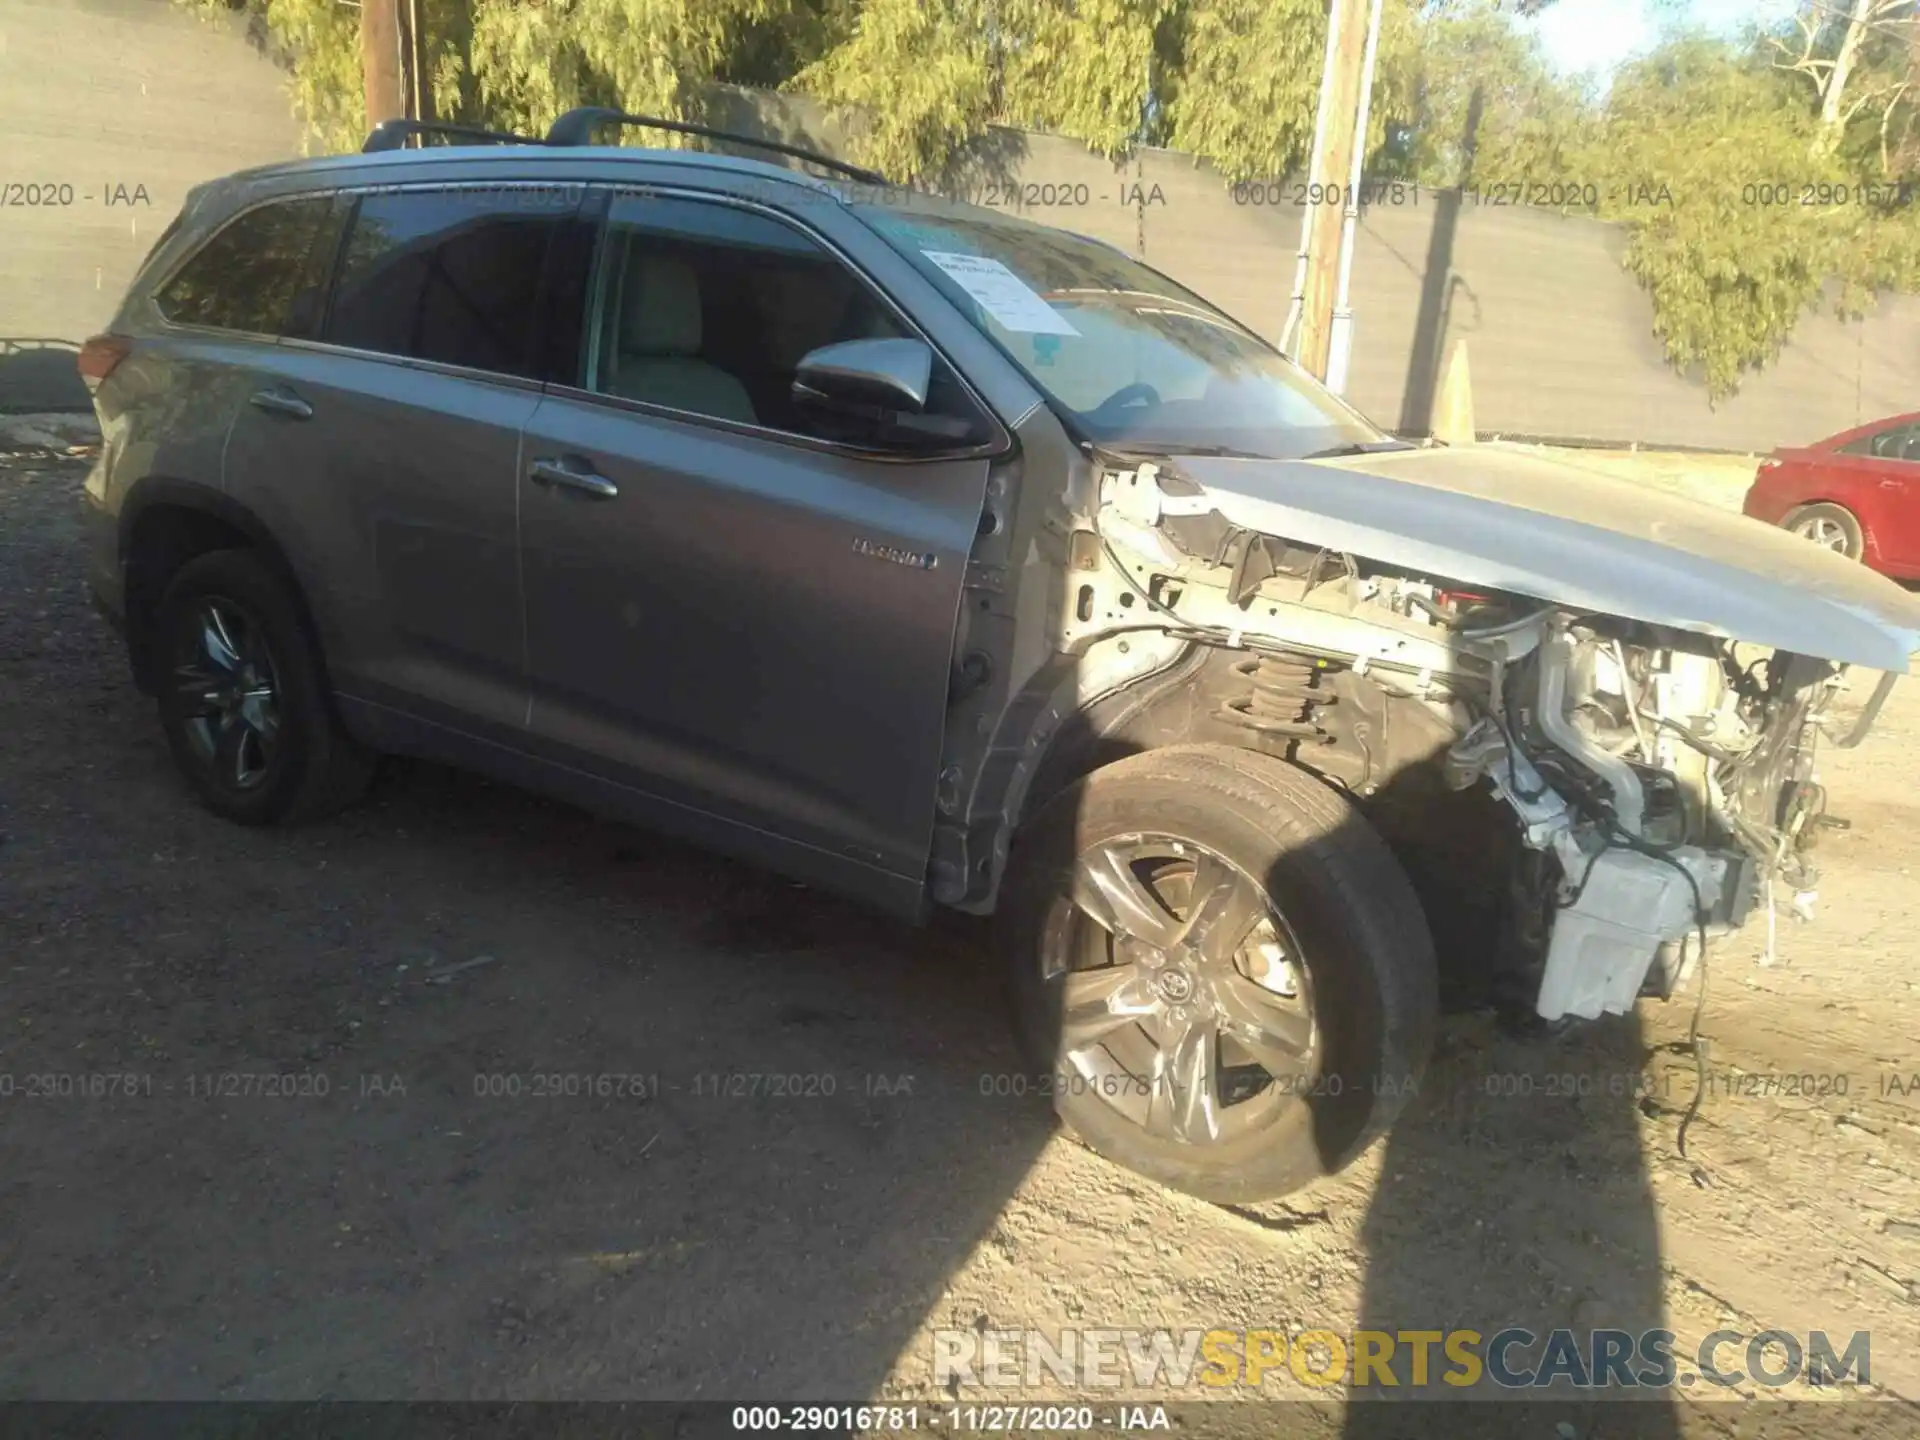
column 1047, row 738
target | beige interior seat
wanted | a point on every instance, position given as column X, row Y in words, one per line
column 657, row 354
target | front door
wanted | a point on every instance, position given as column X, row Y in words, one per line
column 748, row 626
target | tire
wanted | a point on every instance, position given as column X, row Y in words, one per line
column 1832, row 527
column 1357, row 956
column 257, row 739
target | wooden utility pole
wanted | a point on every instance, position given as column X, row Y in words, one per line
column 381, row 61
column 1328, row 176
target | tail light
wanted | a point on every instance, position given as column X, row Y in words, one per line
column 101, row 356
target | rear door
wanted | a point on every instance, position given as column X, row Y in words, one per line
column 747, row 626
column 209, row 338
column 383, row 446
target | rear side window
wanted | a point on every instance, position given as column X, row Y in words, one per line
column 260, row 274
column 452, row 276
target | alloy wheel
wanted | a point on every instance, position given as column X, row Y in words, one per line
column 1826, row 532
column 1182, row 998
column 226, row 690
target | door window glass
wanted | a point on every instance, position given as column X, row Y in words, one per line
column 450, row 275
column 262, row 273
column 710, row 308
column 1900, row 443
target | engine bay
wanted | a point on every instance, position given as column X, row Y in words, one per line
column 1660, row 781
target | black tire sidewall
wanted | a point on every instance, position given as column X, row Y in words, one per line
column 305, row 722
column 1367, row 953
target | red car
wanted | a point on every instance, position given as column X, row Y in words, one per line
column 1857, row 492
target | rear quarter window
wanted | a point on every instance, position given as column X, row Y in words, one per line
column 261, row 273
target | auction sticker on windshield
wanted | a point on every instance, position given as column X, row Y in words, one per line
column 1003, row 294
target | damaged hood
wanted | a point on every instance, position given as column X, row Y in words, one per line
column 1519, row 522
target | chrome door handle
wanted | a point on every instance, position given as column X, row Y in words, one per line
column 558, row 472
column 281, row 401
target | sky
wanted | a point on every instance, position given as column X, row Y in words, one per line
column 1601, row 34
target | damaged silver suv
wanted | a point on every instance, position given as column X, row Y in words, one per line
column 942, row 559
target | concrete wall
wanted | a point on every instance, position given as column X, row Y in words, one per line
column 98, row 93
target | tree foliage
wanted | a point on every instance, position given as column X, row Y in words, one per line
column 1741, row 216
column 1484, row 105
column 1702, row 151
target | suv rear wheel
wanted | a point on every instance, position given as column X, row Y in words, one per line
column 244, row 700
column 1219, row 971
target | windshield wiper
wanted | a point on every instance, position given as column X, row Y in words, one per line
column 1362, row 447
column 1222, row 452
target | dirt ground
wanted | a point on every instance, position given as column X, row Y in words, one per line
column 406, row 1217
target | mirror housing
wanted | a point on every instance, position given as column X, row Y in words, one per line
column 889, row 374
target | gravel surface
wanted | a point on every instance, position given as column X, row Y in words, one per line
column 431, row 1100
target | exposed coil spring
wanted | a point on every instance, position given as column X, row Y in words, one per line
column 1281, row 694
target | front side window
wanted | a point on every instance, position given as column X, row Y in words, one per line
column 262, row 274
column 452, row 276
column 1898, row 442
column 709, row 308
column 1126, row 356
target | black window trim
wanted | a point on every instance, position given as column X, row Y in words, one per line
column 172, row 272
column 997, row 446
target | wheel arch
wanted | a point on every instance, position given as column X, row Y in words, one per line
column 1050, row 738
column 1381, row 751
column 1151, row 713
column 164, row 524
column 1860, row 505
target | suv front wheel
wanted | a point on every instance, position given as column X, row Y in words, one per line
column 244, row 700
column 1220, row 973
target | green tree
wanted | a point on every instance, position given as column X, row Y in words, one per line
column 1472, row 65
column 1702, row 151
column 1704, row 155
column 532, row 62
column 518, row 64
column 1247, row 87
column 925, row 79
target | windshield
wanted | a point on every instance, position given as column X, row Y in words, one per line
column 1128, row 358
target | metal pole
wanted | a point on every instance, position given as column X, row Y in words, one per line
column 1290, row 333
column 1324, row 186
column 416, row 61
column 1341, row 336
column 380, row 61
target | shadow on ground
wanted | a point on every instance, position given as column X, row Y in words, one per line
column 462, row 1095
column 455, row 1096
column 1521, row 1136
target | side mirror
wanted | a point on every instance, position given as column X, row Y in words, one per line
column 889, row 374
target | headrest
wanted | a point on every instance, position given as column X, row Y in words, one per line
column 659, row 307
